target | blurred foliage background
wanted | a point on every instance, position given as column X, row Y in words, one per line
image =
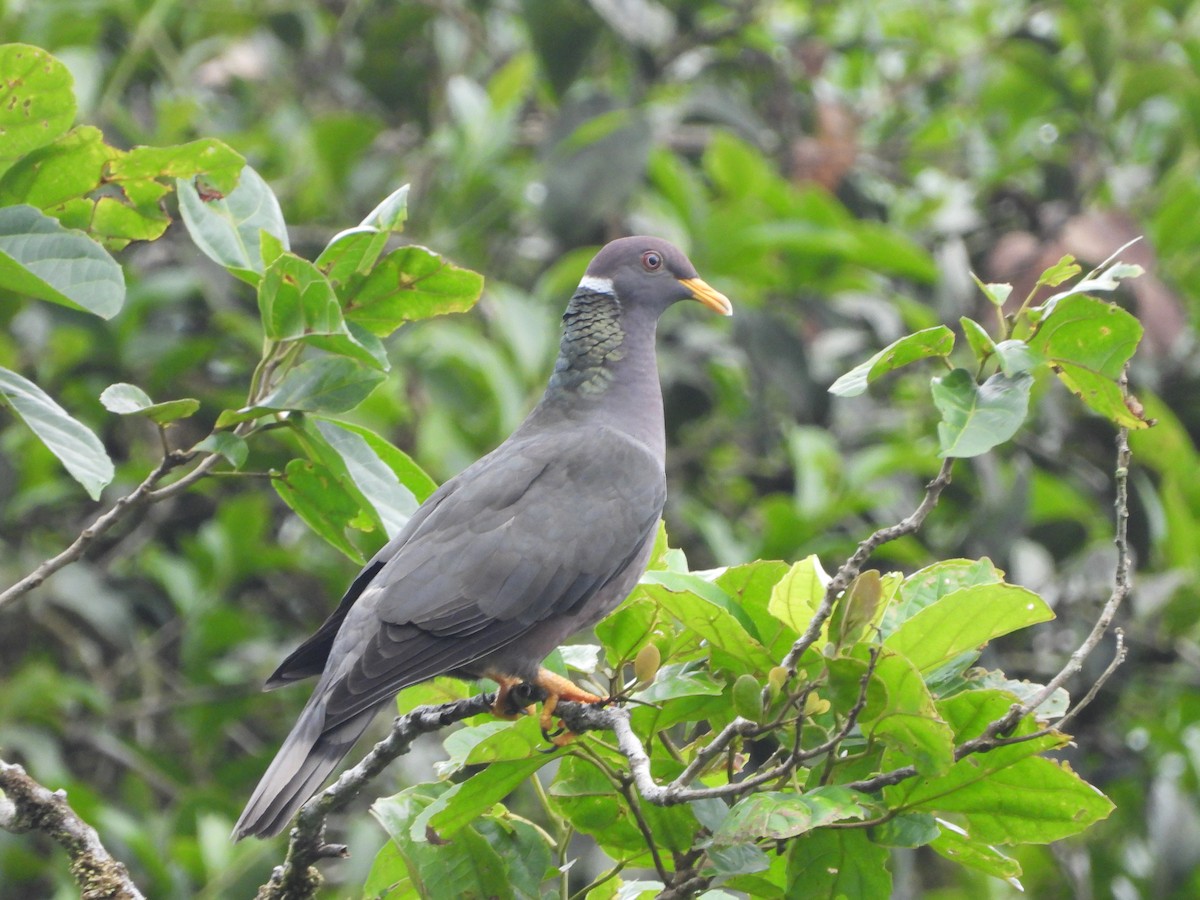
column 836, row 168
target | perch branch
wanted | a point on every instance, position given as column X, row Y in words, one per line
column 26, row 805
column 296, row 879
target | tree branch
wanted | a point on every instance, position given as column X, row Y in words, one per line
column 296, row 879
column 993, row 735
column 26, row 805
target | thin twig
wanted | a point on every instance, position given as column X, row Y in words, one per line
column 1121, row 589
column 26, row 805
column 140, row 495
column 1113, row 665
column 851, row 568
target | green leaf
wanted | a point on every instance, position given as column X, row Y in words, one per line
column 750, row 586
column 464, row 803
column 709, row 612
column 899, row 710
column 680, row 680
column 465, row 867
column 408, row 284
column 956, row 845
column 929, row 342
column 326, row 384
column 978, row 339
column 778, row 815
column 67, row 168
column 219, row 163
column 907, row 830
column 380, row 488
column 796, row 597
column 130, row 400
column 388, row 878
column 75, row 445
column 1059, row 272
column 406, row 470
column 966, row 619
column 314, row 493
column 1034, row 801
column 1017, row 358
column 929, row 794
column 998, row 294
column 297, row 303
column 935, row 581
column 829, row 864
column 40, row 258
column 975, row 418
column 295, row 299
column 1088, row 342
column 226, row 229
column 37, row 100
column 231, row 446
column 627, row 629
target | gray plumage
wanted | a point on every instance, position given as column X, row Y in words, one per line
column 537, row 540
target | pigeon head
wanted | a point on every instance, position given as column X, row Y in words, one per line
column 650, row 272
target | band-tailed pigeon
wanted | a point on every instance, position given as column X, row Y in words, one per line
column 540, row 539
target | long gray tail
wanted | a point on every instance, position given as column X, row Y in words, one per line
column 300, row 767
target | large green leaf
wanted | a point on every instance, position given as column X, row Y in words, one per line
column 392, row 501
column 317, row 496
column 37, row 102
column 965, row 620
column 76, row 446
column 411, row 283
column 464, row 803
column 899, row 711
column 709, row 612
column 832, row 864
column 403, row 466
column 227, row 229
column 480, row 862
column 977, row 417
column 40, row 258
column 929, row 342
column 1034, row 801
column 934, row 582
column 1088, row 343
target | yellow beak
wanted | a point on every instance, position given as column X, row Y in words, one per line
column 708, row 295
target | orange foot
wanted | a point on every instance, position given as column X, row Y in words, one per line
column 555, row 688
column 503, row 707
column 558, row 688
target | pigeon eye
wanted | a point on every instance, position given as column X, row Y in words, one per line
column 651, row 260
